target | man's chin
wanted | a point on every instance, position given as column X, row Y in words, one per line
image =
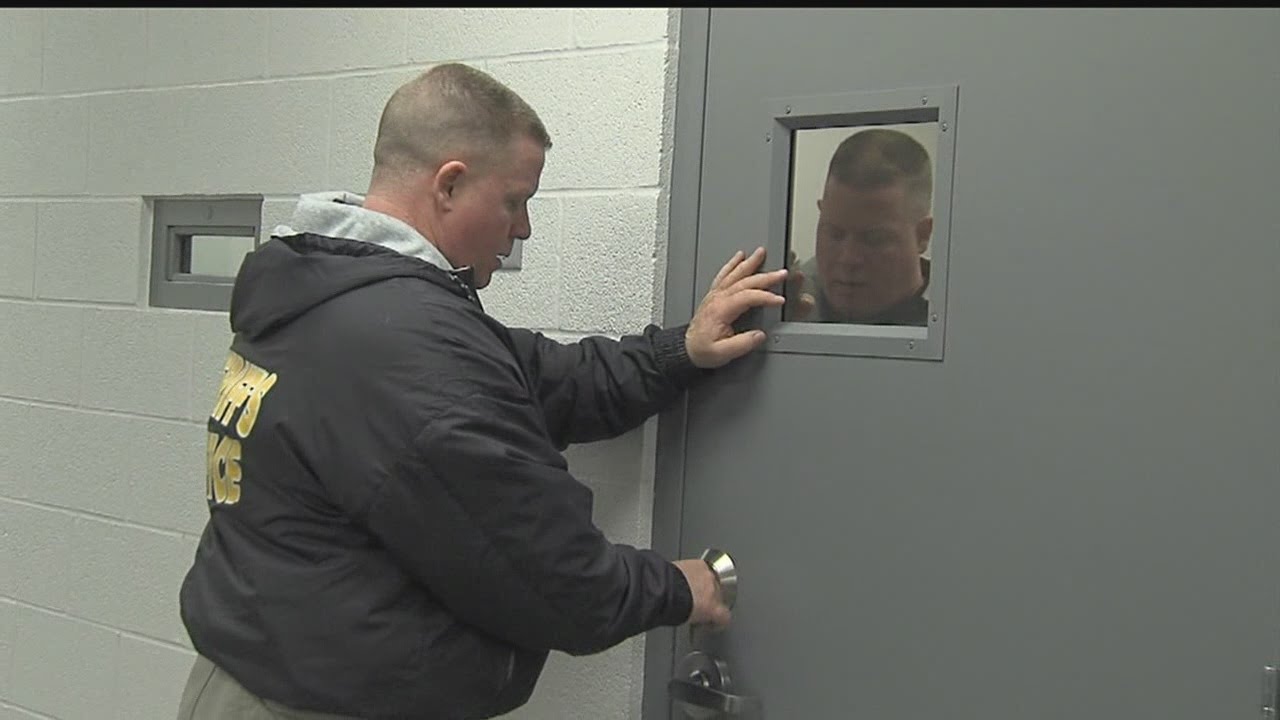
column 853, row 312
column 482, row 272
column 849, row 303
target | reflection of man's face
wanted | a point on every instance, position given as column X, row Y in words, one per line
column 868, row 247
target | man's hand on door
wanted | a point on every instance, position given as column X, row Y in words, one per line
column 711, row 340
column 708, row 603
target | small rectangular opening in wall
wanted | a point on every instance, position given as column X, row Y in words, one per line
column 197, row 246
column 211, row 252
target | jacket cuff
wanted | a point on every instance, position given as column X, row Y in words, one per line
column 671, row 355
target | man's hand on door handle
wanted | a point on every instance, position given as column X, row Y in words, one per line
column 708, row 602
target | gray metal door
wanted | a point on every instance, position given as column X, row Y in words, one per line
column 1065, row 508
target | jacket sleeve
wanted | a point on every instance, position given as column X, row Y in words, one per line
column 486, row 516
column 598, row 388
column 479, row 507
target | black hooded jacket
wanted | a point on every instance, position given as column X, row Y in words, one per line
column 393, row 531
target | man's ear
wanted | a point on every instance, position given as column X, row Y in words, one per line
column 819, row 204
column 446, row 180
column 924, row 232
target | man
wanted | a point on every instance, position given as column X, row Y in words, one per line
column 393, row 531
column 874, row 225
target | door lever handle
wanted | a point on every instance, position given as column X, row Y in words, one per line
column 691, row 692
column 703, row 686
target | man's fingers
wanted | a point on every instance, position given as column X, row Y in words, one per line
column 733, row 262
column 745, row 268
column 723, row 617
column 734, row 347
column 801, row 308
column 762, row 280
column 744, row 300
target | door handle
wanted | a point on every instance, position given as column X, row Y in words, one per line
column 691, row 693
column 726, row 577
column 702, row 685
column 726, row 573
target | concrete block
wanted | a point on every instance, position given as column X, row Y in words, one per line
column 530, row 296
column 267, row 138
column 10, row 712
column 613, row 469
column 151, row 678
column 128, row 134
column 594, row 27
column 603, row 111
column 211, row 341
column 207, row 44
column 617, row 461
column 18, row 248
column 42, row 360
column 355, row 109
column 594, row 687
column 94, row 49
column 8, row 618
column 41, row 563
column 144, row 471
column 447, row 34
column 617, row 511
column 90, row 251
column 21, row 47
column 63, row 667
column 138, row 361
column 565, row 336
column 8, row 548
column 15, row 462
column 313, row 40
column 606, row 262
column 125, row 577
column 43, row 149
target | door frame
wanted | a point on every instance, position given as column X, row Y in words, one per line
column 680, row 298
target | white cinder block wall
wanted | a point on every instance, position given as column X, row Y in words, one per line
column 102, row 399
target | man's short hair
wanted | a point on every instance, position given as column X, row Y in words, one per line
column 876, row 158
column 451, row 112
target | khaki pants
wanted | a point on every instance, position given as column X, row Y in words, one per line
column 212, row 694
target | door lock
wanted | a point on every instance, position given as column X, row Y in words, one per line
column 703, row 687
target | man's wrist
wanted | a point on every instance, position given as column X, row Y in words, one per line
column 671, row 351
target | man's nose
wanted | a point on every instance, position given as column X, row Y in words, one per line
column 522, row 229
column 851, row 253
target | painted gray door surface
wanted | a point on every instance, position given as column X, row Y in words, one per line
column 1072, row 512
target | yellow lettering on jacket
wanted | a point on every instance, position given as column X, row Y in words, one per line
column 244, row 387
